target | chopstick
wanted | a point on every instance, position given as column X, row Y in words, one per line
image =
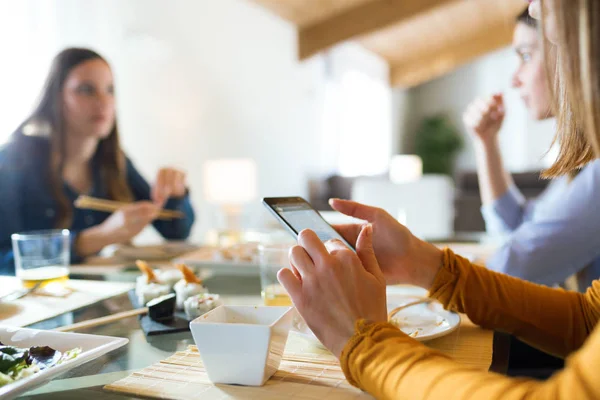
column 102, row 320
column 92, row 203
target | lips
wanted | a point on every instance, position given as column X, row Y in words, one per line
column 99, row 118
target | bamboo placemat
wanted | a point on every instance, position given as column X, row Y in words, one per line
column 306, row 372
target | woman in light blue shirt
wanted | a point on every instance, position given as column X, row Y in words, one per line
column 557, row 234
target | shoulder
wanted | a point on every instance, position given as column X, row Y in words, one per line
column 592, row 168
column 588, row 177
column 21, row 152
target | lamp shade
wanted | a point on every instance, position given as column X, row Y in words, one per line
column 405, row 168
column 230, row 181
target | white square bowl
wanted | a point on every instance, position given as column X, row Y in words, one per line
column 92, row 346
column 242, row 345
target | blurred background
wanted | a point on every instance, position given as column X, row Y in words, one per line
column 319, row 98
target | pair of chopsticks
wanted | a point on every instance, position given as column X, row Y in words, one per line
column 92, row 203
column 102, row 320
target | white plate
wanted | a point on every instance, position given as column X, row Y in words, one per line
column 92, row 346
column 423, row 322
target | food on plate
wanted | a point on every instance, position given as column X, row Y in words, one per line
column 162, row 308
column 18, row 363
column 200, row 304
column 169, row 276
column 148, row 286
column 148, row 274
column 241, row 252
column 187, row 287
column 190, row 294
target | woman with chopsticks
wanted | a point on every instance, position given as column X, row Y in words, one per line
column 69, row 147
column 379, row 358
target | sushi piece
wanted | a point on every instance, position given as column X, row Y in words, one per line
column 162, row 308
column 148, row 286
column 169, row 277
column 200, row 304
column 189, row 286
column 148, row 276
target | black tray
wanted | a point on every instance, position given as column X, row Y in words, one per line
column 179, row 323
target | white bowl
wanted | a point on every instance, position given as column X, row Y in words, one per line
column 242, row 345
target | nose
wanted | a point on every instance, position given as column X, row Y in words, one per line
column 516, row 80
column 105, row 100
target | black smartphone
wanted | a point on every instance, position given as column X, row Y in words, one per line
column 296, row 214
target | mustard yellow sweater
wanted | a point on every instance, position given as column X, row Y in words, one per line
column 382, row 360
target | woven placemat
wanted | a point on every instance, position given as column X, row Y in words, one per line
column 306, row 372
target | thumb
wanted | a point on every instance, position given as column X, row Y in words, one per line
column 291, row 284
column 354, row 209
column 499, row 98
column 157, row 195
column 364, row 250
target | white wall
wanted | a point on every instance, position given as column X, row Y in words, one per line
column 195, row 79
column 523, row 141
column 358, row 111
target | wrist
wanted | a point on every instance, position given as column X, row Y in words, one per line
column 90, row 241
column 486, row 145
column 427, row 260
column 179, row 196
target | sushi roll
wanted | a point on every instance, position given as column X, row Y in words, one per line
column 189, row 286
column 169, row 277
column 200, row 304
column 148, row 286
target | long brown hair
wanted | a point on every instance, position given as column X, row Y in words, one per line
column 49, row 114
column 577, row 89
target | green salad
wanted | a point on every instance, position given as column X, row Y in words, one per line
column 18, row 363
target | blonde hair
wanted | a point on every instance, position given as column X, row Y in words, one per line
column 577, row 88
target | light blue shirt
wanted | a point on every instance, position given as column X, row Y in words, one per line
column 552, row 237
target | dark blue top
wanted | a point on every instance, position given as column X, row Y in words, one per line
column 27, row 203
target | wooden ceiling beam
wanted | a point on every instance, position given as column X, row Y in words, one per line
column 439, row 61
column 358, row 21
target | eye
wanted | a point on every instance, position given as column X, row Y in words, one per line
column 86, row 89
column 525, row 57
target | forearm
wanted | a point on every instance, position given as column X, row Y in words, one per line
column 553, row 320
column 389, row 365
column 494, row 180
column 90, row 241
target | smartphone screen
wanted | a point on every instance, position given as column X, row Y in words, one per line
column 296, row 214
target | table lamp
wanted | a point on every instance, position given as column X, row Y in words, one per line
column 405, row 168
column 230, row 183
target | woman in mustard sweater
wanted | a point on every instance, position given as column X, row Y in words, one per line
column 378, row 357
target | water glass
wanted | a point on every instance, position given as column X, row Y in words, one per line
column 42, row 257
column 271, row 259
